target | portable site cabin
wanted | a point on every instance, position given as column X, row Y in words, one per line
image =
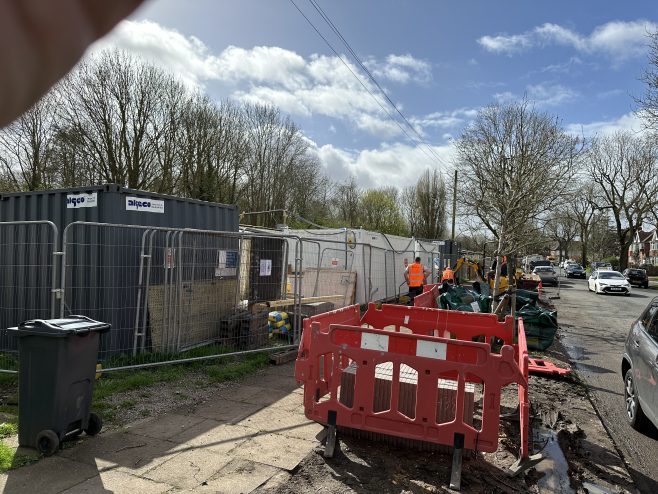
column 104, row 264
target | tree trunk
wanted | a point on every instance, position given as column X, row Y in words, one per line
column 583, row 247
column 511, row 281
column 623, row 255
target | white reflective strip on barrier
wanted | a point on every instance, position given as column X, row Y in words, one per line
column 371, row 341
column 406, row 319
column 431, row 349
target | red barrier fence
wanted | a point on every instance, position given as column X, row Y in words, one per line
column 428, row 297
column 413, row 373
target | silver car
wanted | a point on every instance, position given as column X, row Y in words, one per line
column 639, row 366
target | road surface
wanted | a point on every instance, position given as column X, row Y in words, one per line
column 594, row 328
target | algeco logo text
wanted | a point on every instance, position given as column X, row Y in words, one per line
column 74, row 201
column 139, row 204
column 144, row 205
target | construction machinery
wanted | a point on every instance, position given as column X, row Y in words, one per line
column 475, row 271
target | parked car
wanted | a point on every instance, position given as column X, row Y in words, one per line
column 639, row 370
column 569, row 263
column 543, row 263
column 607, row 281
column 636, row 277
column 547, row 275
column 600, row 265
column 575, row 271
column 566, row 262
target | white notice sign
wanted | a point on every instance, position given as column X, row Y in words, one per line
column 266, row 267
column 144, row 205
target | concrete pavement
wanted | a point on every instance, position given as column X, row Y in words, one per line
column 248, row 436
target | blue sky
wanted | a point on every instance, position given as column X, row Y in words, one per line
column 439, row 61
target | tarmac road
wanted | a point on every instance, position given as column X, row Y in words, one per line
column 593, row 329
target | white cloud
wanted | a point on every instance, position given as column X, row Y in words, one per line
column 317, row 85
column 397, row 164
column 618, row 40
column 628, row 122
column 401, row 69
column 447, row 119
column 542, row 95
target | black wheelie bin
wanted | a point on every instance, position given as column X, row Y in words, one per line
column 56, row 380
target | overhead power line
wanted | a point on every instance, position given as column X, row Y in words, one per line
column 370, row 75
column 432, row 154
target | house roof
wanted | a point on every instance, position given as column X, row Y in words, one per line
column 644, row 236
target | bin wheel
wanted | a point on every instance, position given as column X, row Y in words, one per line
column 47, row 442
column 95, row 425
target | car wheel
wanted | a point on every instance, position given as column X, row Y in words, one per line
column 634, row 413
column 646, row 285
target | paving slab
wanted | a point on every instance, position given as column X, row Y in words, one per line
column 286, row 424
column 289, row 402
column 275, row 450
column 266, row 397
column 48, row 476
column 213, row 436
column 239, row 477
column 224, row 410
column 190, row 468
column 274, row 381
column 164, row 427
column 116, row 482
column 130, row 453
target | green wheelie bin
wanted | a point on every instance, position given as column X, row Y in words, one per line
column 57, row 370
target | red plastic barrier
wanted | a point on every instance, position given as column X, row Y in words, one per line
column 541, row 366
column 331, row 348
column 428, row 297
column 524, row 401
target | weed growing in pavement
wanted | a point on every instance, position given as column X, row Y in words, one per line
column 10, row 458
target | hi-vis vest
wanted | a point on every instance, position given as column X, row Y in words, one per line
column 416, row 274
column 448, row 274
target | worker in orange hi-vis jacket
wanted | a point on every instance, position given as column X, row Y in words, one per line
column 415, row 276
column 448, row 275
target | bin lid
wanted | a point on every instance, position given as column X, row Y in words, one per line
column 60, row 328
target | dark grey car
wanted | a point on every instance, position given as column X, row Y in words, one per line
column 639, row 366
column 547, row 275
column 575, row 271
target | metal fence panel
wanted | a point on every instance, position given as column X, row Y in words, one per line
column 28, row 272
column 173, row 294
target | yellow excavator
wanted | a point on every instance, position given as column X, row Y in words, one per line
column 475, row 270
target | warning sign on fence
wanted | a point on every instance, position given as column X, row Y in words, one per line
column 170, row 254
column 266, row 267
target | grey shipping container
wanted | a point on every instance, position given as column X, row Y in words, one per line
column 109, row 256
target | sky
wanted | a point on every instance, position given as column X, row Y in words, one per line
column 438, row 62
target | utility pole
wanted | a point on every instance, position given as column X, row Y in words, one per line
column 454, row 206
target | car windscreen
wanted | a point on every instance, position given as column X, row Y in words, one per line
column 575, row 266
column 541, row 269
column 636, row 272
column 612, row 275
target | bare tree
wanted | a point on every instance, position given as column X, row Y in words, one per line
column 113, row 102
column 647, row 105
column 346, row 198
column 518, row 163
column 26, row 147
column 624, row 169
column 583, row 211
column 562, row 229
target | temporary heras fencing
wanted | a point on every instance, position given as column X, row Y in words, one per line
column 175, row 294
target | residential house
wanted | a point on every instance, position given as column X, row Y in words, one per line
column 640, row 251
